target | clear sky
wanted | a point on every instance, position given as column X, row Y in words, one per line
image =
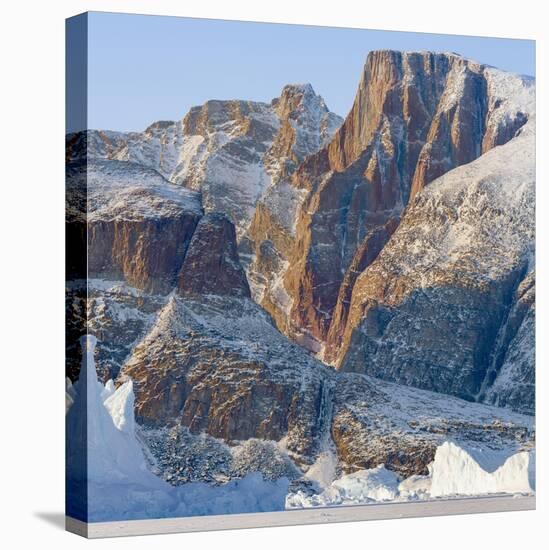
column 145, row 68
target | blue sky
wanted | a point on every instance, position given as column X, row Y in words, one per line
column 146, row 68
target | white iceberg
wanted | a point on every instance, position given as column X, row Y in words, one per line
column 361, row 487
column 460, row 471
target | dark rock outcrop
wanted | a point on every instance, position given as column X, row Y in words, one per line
column 147, row 253
column 212, row 265
column 218, row 365
column 510, row 380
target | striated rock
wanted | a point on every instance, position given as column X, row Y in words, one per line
column 510, row 379
column 217, row 366
column 365, row 254
column 139, row 225
column 456, row 131
column 415, row 117
column 211, row 265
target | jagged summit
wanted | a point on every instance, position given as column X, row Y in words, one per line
column 231, row 151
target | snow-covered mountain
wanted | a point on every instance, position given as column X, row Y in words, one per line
column 316, row 237
column 230, row 151
column 312, row 299
column 464, row 247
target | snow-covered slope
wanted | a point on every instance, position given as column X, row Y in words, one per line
column 128, row 191
column 231, row 151
column 435, row 309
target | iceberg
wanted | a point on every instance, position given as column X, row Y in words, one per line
column 467, row 471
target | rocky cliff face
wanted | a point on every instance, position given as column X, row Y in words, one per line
column 216, row 365
column 211, row 265
column 230, row 151
column 139, row 225
column 415, row 117
column 135, row 200
column 510, row 378
column 433, row 309
column 376, row 422
column 398, row 249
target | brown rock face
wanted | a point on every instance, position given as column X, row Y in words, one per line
column 361, row 179
column 218, row 365
column 415, row 117
column 147, row 253
column 236, row 114
column 211, row 265
column 456, row 132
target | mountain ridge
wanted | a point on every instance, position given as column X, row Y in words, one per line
column 261, row 275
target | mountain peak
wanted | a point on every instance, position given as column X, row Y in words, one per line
column 304, row 88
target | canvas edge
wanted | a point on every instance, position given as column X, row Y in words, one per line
column 395, row 510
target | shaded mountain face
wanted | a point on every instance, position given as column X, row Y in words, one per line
column 235, row 257
column 440, row 306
